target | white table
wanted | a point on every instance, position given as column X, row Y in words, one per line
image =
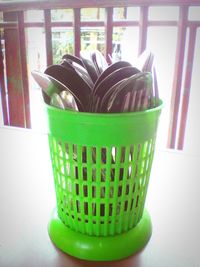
column 27, row 198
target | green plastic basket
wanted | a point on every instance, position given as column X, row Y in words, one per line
column 101, row 165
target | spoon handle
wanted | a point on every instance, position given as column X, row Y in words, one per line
column 155, row 87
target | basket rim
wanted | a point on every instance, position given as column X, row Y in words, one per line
column 105, row 115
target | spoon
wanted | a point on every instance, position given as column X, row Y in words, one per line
column 56, row 101
column 68, row 100
column 145, row 61
column 73, row 59
column 115, row 66
column 50, row 85
column 108, row 82
column 155, row 93
column 45, row 82
column 99, row 61
column 64, row 100
column 88, row 64
column 131, row 94
column 94, row 60
column 73, row 81
column 102, row 105
column 80, row 70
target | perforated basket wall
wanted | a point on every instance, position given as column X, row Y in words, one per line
column 101, row 166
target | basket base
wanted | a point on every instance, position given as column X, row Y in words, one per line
column 95, row 248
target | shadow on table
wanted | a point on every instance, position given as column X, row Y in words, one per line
column 64, row 260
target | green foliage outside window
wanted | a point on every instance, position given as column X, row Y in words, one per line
column 62, row 43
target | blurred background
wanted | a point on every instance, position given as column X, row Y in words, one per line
column 35, row 34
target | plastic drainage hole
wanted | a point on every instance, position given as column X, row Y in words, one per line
column 102, row 209
column 119, row 191
column 93, row 154
column 78, row 206
column 111, row 193
column 121, row 173
column 103, row 174
column 118, row 152
column 134, row 186
column 130, row 172
column 93, row 174
column 112, row 174
column 94, row 209
column 126, row 205
column 132, row 200
column 118, row 208
column 84, row 173
column 114, row 154
column 77, row 189
column 75, row 172
column 93, row 191
column 103, row 192
column 103, row 155
column 86, row 208
column 127, row 189
column 84, row 154
column 123, row 153
column 113, row 211
column 137, row 201
column 74, row 149
column 110, row 209
column 85, row 190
